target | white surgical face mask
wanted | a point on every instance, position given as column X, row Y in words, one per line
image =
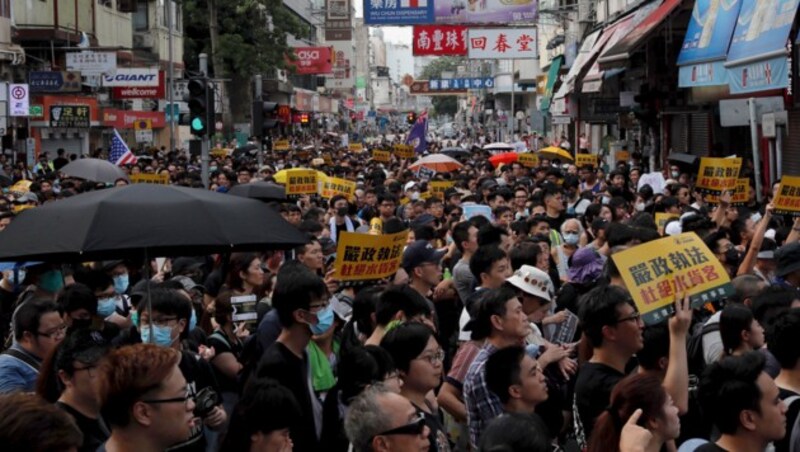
column 639, row 206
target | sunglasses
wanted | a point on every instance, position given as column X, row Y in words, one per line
column 415, row 427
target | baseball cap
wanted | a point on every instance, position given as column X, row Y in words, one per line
column 421, row 252
column 409, row 186
column 533, row 281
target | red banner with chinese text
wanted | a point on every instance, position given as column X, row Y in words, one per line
column 440, row 40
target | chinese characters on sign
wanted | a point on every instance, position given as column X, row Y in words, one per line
column 160, row 179
column 404, row 151
column 787, row 200
column 381, row 156
column 529, row 160
column 70, row 116
column 398, row 12
column 440, row 40
column 437, row 188
column 582, row 160
column 301, row 182
column 446, row 84
column 486, row 11
column 332, row 186
column 355, row 147
column 657, row 272
column 363, row 256
column 422, row 87
column 718, row 174
column 281, row 145
column 502, row 43
column 740, row 195
column 92, row 63
column 338, row 23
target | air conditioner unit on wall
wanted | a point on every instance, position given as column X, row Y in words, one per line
column 143, row 41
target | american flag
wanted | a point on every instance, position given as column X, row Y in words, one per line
column 120, row 152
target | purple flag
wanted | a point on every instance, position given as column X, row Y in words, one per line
column 417, row 132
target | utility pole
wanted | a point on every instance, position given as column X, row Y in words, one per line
column 170, row 79
column 204, row 150
column 258, row 130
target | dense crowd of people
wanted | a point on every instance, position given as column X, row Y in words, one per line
column 509, row 331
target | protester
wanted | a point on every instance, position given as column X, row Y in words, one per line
column 28, row 422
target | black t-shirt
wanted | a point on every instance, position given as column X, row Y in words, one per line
column 792, row 410
column 438, row 436
column 555, row 223
column 199, row 375
column 593, row 392
column 223, row 344
column 710, row 447
column 95, row 432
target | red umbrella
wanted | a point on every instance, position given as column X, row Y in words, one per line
column 504, row 158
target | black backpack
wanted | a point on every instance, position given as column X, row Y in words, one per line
column 694, row 347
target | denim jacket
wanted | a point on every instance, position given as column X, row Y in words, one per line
column 16, row 374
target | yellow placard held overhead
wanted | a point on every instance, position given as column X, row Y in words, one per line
column 718, row 174
column 141, row 178
column 582, row 160
column 787, row 200
column 356, row 147
column 741, row 193
column 301, row 182
column 281, row 145
column 333, row 186
column 438, row 187
column 622, row 156
column 404, row 151
column 657, row 272
column 529, row 160
column 366, row 256
column 381, row 156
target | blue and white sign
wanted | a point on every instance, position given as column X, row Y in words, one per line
column 703, row 74
column 54, row 81
column 762, row 29
column 760, row 75
column 710, row 30
column 398, row 12
column 446, row 84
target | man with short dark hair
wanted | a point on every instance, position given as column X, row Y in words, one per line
column 782, row 340
column 340, row 220
column 398, row 303
column 744, row 404
column 517, row 380
column 421, row 262
column 301, row 300
column 38, row 329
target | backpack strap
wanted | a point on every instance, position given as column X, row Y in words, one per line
column 221, row 337
column 24, row 357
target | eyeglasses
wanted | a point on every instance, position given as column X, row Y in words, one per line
column 415, row 427
column 59, row 331
column 189, row 397
column 161, row 321
column 635, row 317
column 433, row 358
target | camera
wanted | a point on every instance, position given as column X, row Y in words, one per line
column 205, row 401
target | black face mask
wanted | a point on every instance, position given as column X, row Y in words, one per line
column 342, row 211
column 81, row 324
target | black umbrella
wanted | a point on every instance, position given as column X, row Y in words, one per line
column 455, row 152
column 263, row 191
column 96, row 170
column 247, row 149
column 681, row 158
column 160, row 220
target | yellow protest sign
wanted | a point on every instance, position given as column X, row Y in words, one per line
column 425, row 195
column 326, row 157
column 622, row 156
column 741, row 193
column 404, row 151
column 662, row 218
column 333, row 186
column 365, row 256
column 656, row 272
column 281, row 145
column 161, row 179
column 718, row 174
column 301, row 182
column 787, row 200
column 529, row 160
column 218, row 153
column 582, row 160
column 381, row 156
column 438, row 187
column 356, row 147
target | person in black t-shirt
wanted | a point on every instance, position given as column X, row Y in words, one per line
column 744, row 404
column 782, row 339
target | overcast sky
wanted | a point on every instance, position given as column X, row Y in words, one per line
column 401, row 35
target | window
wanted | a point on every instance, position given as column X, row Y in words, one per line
column 106, row 3
column 140, row 19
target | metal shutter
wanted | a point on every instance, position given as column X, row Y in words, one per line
column 790, row 164
column 679, row 138
column 700, row 135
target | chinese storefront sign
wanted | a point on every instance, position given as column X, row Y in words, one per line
column 460, row 83
column 502, row 43
column 301, row 182
column 529, row 160
column 437, row 188
column 141, row 178
column 486, row 12
column 788, row 199
column 312, row 60
column 362, row 257
column 92, row 63
column 54, row 81
column 381, row 156
column 338, row 21
column 398, row 12
column 718, row 174
column 440, row 40
column 404, row 151
column 582, row 160
column 332, row 186
column 657, row 272
column 70, row 116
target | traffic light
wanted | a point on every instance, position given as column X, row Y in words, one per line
column 200, row 98
column 411, row 118
column 304, row 118
column 264, row 117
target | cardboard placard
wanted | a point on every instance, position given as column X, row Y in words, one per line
column 740, row 196
column 281, row 145
column 141, row 178
column 622, row 156
column 404, row 151
column 528, row 160
column 477, row 209
column 333, row 186
column 438, row 187
column 326, row 157
column 718, row 174
column 362, row 257
column 656, row 272
column 381, row 156
column 582, row 160
column 356, row 147
column 301, row 182
column 244, row 310
column 787, row 200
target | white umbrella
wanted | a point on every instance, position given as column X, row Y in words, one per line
column 498, row 147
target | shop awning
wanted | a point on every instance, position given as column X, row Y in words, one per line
column 584, row 56
column 619, row 54
column 757, row 58
column 592, row 82
column 552, row 77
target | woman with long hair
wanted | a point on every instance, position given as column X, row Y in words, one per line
column 659, row 414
